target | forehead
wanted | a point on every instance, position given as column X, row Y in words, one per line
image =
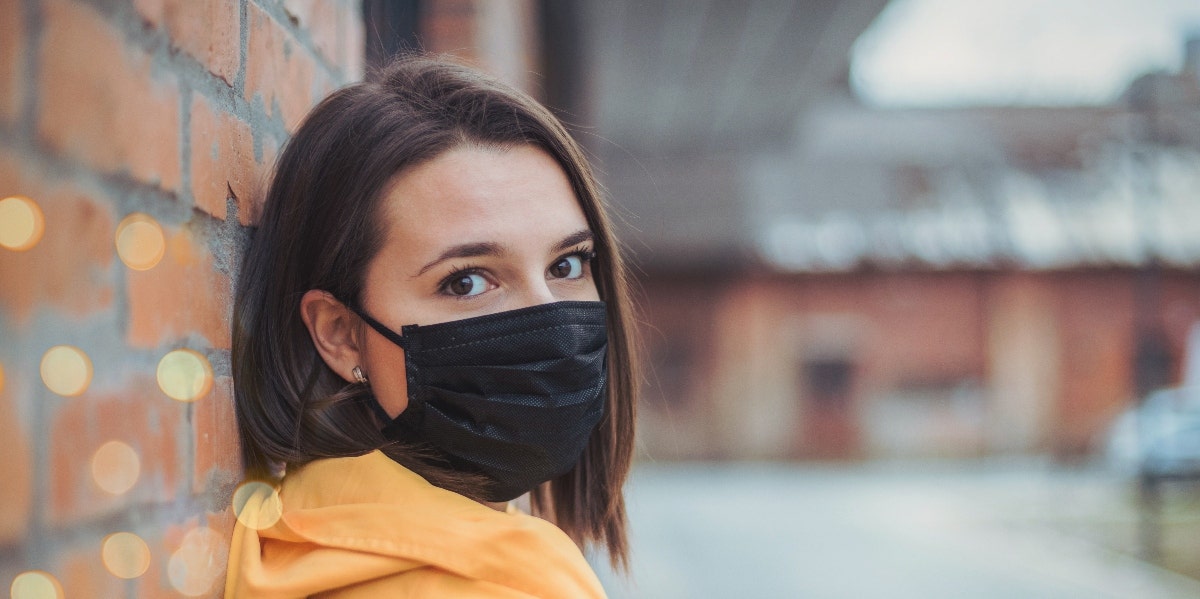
column 476, row 194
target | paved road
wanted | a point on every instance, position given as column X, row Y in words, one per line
column 981, row 532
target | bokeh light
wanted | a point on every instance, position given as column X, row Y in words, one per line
column 125, row 555
column 257, row 505
column 185, row 375
column 21, row 223
column 115, row 467
column 66, row 370
column 140, row 241
column 198, row 563
column 35, row 584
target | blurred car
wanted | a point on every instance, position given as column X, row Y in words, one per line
column 1159, row 438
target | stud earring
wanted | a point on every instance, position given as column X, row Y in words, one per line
column 358, row 375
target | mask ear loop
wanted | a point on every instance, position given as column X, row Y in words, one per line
column 391, row 335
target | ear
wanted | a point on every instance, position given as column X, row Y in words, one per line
column 332, row 330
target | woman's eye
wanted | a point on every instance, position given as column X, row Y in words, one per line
column 467, row 284
column 570, row 267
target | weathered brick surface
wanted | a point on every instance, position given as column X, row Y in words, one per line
column 117, row 90
column 16, row 466
column 101, row 103
column 323, row 84
column 335, row 30
column 138, row 415
column 1096, row 321
column 207, row 30
column 157, row 582
column 279, row 72
column 223, row 161
column 183, row 294
column 352, row 42
column 68, row 269
column 12, row 39
column 83, row 573
column 215, row 438
column 322, row 20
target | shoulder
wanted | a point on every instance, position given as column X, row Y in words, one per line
column 379, row 519
column 426, row 582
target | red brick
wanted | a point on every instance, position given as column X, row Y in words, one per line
column 336, row 30
column 278, row 70
column 324, row 83
column 157, row 583
column 270, row 150
column 83, row 573
column 12, row 41
column 222, row 521
column 183, row 294
column 16, row 463
column 154, row 583
column 206, row 30
column 100, row 102
column 138, row 415
column 217, row 460
column 322, row 20
column 223, row 161
column 69, row 268
column 1096, row 320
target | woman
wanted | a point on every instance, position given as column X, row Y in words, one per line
column 431, row 321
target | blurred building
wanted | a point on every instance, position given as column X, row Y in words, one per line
column 938, row 282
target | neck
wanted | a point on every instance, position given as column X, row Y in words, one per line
column 499, row 506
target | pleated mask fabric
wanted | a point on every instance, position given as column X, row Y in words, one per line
column 513, row 395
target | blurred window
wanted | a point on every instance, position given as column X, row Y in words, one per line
column 828, row 381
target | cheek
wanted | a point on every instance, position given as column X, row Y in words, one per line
column 385, row 369
column 592, row 289
column 592, row 294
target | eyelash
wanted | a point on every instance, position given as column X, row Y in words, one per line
column 586, row 254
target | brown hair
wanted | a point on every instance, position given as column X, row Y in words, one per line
column 321, row 227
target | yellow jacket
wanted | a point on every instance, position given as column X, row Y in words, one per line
column 368, row 527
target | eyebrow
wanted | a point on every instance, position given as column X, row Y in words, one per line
column 575, row 238
column 466, row 250
column 488, row 248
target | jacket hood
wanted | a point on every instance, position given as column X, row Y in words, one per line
column 369, row 520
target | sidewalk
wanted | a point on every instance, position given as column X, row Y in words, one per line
column 896, row 530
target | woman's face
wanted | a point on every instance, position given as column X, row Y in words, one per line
column 471, row 232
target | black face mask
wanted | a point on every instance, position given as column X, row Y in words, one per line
column 512, row 395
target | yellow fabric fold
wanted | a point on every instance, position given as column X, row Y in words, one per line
column 368, row 527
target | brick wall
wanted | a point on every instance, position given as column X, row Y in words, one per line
column 171, row 111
